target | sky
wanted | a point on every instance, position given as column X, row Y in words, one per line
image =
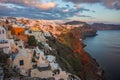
column 102, row 11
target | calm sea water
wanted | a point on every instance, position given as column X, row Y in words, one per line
column 105, row 48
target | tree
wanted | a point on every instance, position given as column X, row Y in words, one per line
column 3, row 58
column 32, row 41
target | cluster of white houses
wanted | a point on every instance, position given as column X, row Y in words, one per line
column 32, row 62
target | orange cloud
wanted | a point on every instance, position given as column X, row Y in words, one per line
column 46, row 6
column 33, row 3
column 40, row 5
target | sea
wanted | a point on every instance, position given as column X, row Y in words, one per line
column 105, row 48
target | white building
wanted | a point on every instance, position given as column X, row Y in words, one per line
column 52, row 61
column 19, row 44
column 4, row 42
column 37, row 33
column 42, row 72
column 40, row 54
column 23, row 61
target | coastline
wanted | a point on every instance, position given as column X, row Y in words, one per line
column 99, row 67
column 105, row 49
column 103, row 75
column 90, row 69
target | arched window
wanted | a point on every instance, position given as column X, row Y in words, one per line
column 3, row 31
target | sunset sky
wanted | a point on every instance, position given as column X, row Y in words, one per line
column 107, row 11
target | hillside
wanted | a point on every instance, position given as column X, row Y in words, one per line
column 75, row 23
column 65, row 40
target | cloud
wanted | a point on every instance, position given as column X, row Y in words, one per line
column 11, row 6
column 77, row 6
column 46, row 6
column 39, row 9
column 13, row 1
column 32, row 3
column 65, row 10
column 112, row 4
column 79, row 15
column 83, row 1
column 54, row 14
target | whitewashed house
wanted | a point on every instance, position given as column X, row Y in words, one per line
column 39, row 36
column 40, row 54
column 42, row 72
column 23, row 61
column 19, row 44
column 47, row 34
column 52, row 61
column 4, row 42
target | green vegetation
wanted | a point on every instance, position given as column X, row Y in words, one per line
column 32, row 41
column 66, row 58
column 3, row 58
column 40, row 45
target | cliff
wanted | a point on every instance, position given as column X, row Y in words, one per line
column 70, row 53
column 83, row 65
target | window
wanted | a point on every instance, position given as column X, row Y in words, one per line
column 0, row 32
column 3, row 31
column 16, row 43
column 21, row 62
column 5, row 41
column 20, row 46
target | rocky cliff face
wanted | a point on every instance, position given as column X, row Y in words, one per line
column 86, row 67
column 70, row 53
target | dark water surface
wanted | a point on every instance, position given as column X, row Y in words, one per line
column 105, row 48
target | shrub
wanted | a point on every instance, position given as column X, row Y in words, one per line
column 32, row 41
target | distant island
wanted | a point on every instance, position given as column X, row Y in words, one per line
column 102, row 26
column 97, row 26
